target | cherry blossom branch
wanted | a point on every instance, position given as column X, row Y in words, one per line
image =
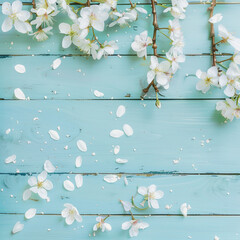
column 212, row 34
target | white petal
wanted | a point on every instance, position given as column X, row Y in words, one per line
column 154, row 203
column 82, row 146
column 66, row 42
column 128, row 130
column 21, row 26
column 184, row 209
column 142, row 190
column 111, row 178
column 126, row 225
column 54, row 135
column 6, row 8
column 141, row 10
column 120, row 160
column 47, row 184
column 30, row 213
column 27, row 194
column 79, row 180
column 108, row 226
column 116, row 133
column 78, row 218
column 42, row 176
column 20, row 68
column 18, row 94
column 120, row 111
column 229, row 91
column 32, row 181
column 98, row 94
column 216, row 18
column 10, row 159
column 42, row 193
column 17, row 227
column 7, row 24
column 78, row 161
column 64, row 28
column 56, row 63
column 16, row 6
column 69, row 219
column 49, row 167
column 116, row 149
column 68, row 185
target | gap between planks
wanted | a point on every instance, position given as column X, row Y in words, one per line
column 146, row 174
column 136, row 214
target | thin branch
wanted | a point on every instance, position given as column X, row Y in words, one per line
column 212, row 34
column 155, row 25
column 33, row 3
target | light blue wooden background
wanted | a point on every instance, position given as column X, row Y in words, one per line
column 207, row 177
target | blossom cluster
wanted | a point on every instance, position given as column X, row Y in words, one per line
column 161, row 73
column 85, row 19
column 226, row 78
column 150, row 196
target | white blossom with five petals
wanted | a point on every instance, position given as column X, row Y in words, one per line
column 134, row 226
column 70, row 213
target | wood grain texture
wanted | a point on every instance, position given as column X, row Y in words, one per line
column 41, row 81
column 99, row 197
column 170, row 228
column 196, row 35
column 160, row 136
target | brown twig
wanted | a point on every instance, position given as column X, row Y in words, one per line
column 212, row 34
column 33, row 3
column 154, row 45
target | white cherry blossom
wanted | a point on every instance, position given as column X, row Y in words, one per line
column 175, row 59
column 70, row 213
column 72, row 32
column 231, row 80
column 151, row 194
column 44, row 16
column 140, row 44
column 15, row 17
column 228, row 108
column 102, row 225
column 134, row 226
column 42, row 34
column 159, row 70
column 40, row 185
column 88, row 47
column 207, row 79
column 107, row 48
column 228, row 37
column 93, row 16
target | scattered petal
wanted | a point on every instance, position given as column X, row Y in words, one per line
column 27, row 194
column 49, row 167
column 116, row 149
column 120, row 160
column 56, row 63
column 128, row 130
column 20, row 68
column 30, row 213
column 18, row 94
column 216, row 18
column 82, row 145
column 120, row 111
column 54, row 135
column 79, row 180
column 116, row 133
column 111, row 178
column 184, row 209
column 17, row 227
column 10, row 159
column 126, row 205
column 78, row 161
column 98, row 94
column 68, row 185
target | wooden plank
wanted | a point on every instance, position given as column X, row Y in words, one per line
column 160, row 136
column 170, row 228
column 197, row 43
column 206, row 194
column 121, row 77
